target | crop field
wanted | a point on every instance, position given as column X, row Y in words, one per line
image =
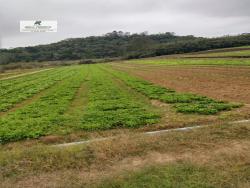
column 109, row 103
column 121, row 101
column 40, row 104
column 15, row 91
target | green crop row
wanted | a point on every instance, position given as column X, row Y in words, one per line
column 183, row 102
column 45, row 115
column 5, row 85
column 15, row 92
column 11, row 85
column 111, row 106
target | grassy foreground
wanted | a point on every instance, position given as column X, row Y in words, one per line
column 216, row 156
column 176, row 175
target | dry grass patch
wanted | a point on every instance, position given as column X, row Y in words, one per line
column 223, row 147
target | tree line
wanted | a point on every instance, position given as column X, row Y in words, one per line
column 118, row 44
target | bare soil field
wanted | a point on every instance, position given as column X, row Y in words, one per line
column 222, row 83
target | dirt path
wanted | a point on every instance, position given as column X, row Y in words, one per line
column 19, row 75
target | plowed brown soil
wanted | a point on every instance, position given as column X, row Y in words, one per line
column 222, row 83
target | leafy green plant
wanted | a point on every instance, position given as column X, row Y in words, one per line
column 17, row 90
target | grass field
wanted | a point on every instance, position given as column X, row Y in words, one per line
column 226, row 53
column 198, row 62
column 240, row 53
column 243, row 52
column 121, row 100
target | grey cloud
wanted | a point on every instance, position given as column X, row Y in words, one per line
column 217, row 8
column 78, row 18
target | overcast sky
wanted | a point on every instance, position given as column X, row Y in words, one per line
column 80, row 18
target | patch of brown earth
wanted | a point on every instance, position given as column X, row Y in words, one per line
column 158, row 103
column 222, row 83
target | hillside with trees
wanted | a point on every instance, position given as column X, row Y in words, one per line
column 118, row 44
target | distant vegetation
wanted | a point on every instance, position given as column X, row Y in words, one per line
column 120, row 45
